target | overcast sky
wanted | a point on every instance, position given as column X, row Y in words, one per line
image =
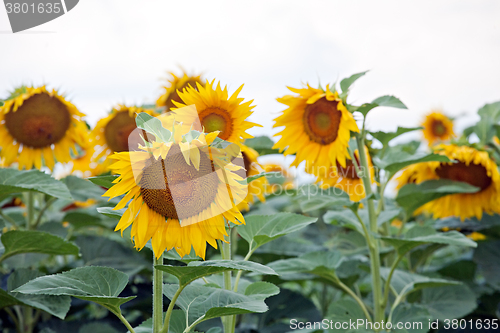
column 428, row 53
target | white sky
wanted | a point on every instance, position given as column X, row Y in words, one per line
column 427, row 53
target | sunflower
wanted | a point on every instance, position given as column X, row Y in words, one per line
column 474, row 167
column 176, row 84
column 257, row 187
column 216, row 111
column 317, row 128
column 277, row 184
column 86, row 164
column 111, row 134
column 36, row 124
column 437, row 127
column 347, row 179
column 178, row 192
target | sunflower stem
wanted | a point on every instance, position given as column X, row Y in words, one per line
column 372, row 241
column 227, row 321
column 30, row 206
column 157, row 295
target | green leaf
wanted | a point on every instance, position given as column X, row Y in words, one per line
column 153, row 125
column 177, row 323
column 395, row 160
column 406, row 283
column 55, row 305
column 101, row 285
column 82, row 189
column 447, row 238
column 15, row 181
column 97, row 327
column 262, row 144
column 345, row 218
column 104, row 181
column 110, row 212
column 347, row 82
column 487, row 257
column 260, row 229
column 83, row 218
column 321, row 263
column 449, row 302
column 27, row 241
column 386, row 137
column 490, row 115
column 198, row 269
column 312, row 198
column 262, row 174
column 261, row 290
column 389, row 101
column 412, row 196
column 203, row 303
column 413, row 316
column 347, row 311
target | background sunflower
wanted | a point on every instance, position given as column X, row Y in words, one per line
column 38, row 127
column 437, row 127
column 176, row 83
column 317, row 128
column 256, row 188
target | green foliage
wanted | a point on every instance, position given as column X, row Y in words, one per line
column 412, row 196
column 82, row 189
column 346, row 83
column 15, row 181
column 385, row 137
column 105, row 181
column 395, row 160
column 262, row 145
column 388, row 101
column 27, row 241
column 101, row 285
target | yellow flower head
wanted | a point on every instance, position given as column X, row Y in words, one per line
column 347, row 179
column 38, row 127
column 317, row 128
column 284, row 181
column 217, row 111
column 474, row 167
column 112, row 134
column 175, row 84
column 437, row 128
column 257, row 187
column 179, row 188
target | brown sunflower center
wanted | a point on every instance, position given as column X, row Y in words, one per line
column 174, row 96
column 216, row 119
column 322, row 121
column 117, row 131
column 438, row 128
column 473, row 174
column 349, row 171
column 176, row 190
column 41, row 121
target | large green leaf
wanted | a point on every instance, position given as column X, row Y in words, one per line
column 487, row 256
column 55, row 305
column 386, row 137
column 260, row 229
column 395, row 160
column 345, row 218
column 101, row 285
column 202, row 303
column 406, row 283
column 104, row 181
column 197, row 269
column 345, row 314
column 262, row 144
column 389, row 101
column 28, row 241
column 84, row 218
column 109, row 212
column 412, row 196
column 449, row 302
column 322, row 264
column 82, row 189
column 347, row 82
column 490, row 115
column 15, row 181
column 311, row 198
column 413, row 318
column 404, row 245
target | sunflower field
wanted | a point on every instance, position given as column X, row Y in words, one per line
column 168, row 218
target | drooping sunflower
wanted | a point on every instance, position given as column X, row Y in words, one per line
column 474, row 167
column 437, row 128
column 256, row 188
column 283, row 181
column 317, row 128
column 347, row 179
column 175, row 84
column 38, row 127
column 217, row 111
column 111, row 134
column 178, row 193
